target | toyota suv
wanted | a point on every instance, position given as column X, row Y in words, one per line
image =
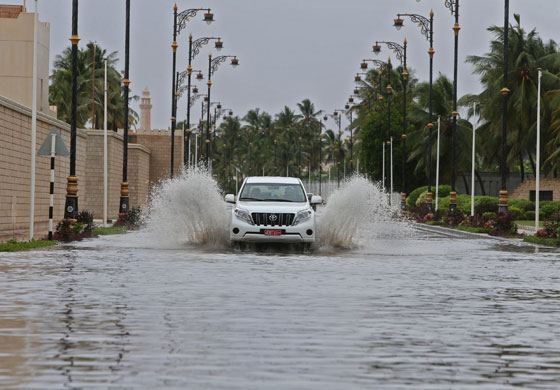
column 273, row 210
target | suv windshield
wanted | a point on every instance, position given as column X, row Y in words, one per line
column 272, row 192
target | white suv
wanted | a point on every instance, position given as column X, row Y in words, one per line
column 273, row 210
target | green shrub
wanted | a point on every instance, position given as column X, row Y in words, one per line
column 489, row 216
column 516, row 212
column 549, row 208
column 443, row 191
column 422, row 199
column 413, row 196
column 68, row 232
column 519, row 203
column 131, row 219
column 86, row 219
column 443, row 204
column 504, row 224
column 530, row 215
column 485, row 204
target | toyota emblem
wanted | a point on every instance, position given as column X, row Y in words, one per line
column 273, row 217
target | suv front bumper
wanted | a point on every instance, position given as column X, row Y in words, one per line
column 241, row 231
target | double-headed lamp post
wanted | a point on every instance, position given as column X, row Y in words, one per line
column 503, row 202
column 194, row 50
column 453, row 6
column 125, row 200
column 427, row 29
column 400, row 51
column 71, row 204
column 213, row 64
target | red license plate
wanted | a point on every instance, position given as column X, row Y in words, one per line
column 273, row 232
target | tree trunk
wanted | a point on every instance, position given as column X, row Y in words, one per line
column 533, row 166
column 466, row 183
column 522, row 167
column 482, row 189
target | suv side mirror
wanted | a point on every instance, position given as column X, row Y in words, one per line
column 230, row 198
column 315, row 199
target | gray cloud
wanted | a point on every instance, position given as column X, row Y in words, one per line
column 288, row 49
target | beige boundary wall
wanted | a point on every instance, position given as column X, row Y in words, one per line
column 15, row 171
column 15, row 168
column 523, row 191
column 159, row 143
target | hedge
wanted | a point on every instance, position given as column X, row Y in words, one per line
column 443, row 191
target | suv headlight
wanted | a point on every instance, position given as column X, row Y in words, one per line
column 302, row 215
column 243, row 215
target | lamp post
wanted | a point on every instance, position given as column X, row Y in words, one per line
column 453, row 5
column 125, row 200
column 71, row 206
column 194, row 50
column 381, row 65
column 503, row 202
column 320, row 153
column 427, row 29
column 180, row 20
column 400, row 51
column 213, row 64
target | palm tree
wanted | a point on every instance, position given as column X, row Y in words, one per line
column 91, row 73
column 528, row 54
column 442, row 101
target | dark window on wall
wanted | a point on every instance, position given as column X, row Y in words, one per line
column 543, row 195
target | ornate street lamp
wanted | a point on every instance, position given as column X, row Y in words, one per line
column 427, row 29
column 400, row 51
column 71, row 206
column 125, row 200
column 194, row 50
column 213, row 64
column 503, row 202
column 180, row 20
column 453, row 6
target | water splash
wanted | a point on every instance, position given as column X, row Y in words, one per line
column 189, row 209
column 356, row 208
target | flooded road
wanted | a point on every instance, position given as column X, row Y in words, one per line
column 404, row 310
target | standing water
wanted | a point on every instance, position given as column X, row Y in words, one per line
column 170, row 307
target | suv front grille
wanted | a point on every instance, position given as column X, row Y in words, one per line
column 273, row 219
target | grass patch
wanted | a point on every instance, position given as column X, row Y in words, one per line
column 434, row 223
column 19, row 246
column 474, row 229
column 108, row 231
column 542, row 241
column 530, row 223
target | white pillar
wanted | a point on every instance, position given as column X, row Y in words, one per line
column 33, row 129
column 105, row 168
column 473, row 184
column 437, row 162
column 538, row 173
column 391, row 168
column 383, row 172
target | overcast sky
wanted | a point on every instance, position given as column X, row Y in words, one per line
column 288, row 49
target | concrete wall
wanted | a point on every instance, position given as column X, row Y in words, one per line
column 93, row 201
column 139, row 175
column 15, row 171
column 523, row 191
column 159, row 144
column 16, row 61
column 15, row 168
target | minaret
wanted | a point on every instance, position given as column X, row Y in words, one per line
column 146, row 110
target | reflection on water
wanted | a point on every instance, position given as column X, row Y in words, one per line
column 417, row 312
